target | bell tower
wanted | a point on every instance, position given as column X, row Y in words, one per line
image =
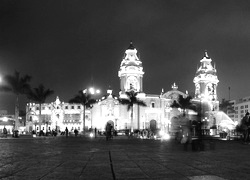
column 131, row 71
column 206, row 82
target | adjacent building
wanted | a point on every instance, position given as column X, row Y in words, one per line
column 238, row 108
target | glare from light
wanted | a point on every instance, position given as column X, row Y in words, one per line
column 92, row 90
column 91, row 135
column 166, row 136
column 161, row 133
column 5, row 119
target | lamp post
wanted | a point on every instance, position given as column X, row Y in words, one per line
column 86, row 92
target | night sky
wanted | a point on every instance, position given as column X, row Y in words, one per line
column 69, row 45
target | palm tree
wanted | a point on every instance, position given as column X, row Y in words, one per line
column 39, row 95
column 130, row 101
column 17, row 85
column 84, row 99
column 226, row 106
column 175, row 104
column 184, row 104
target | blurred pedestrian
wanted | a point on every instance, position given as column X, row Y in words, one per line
column 76, row 132
column 95, row 132
column 111, row 132
column 5, row 132
column 245, row 127
column 186, row 136
column 67, row 132
column 108, row 131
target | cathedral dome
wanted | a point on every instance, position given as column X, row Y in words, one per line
column 174, row 93
column 131, row 58
column 131, row 46
column 131, row 71
column 206, row 66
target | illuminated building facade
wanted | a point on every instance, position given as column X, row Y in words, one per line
column 238, row 109
column 156, row 115
column 6, row 121
column 206, row 82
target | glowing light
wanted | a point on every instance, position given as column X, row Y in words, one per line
column 161, row 133
column 92, row 90
column 109, row 91
column 5, row 119
column 166, row 136
column 91, row 135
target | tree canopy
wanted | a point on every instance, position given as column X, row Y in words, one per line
column 131, row 100
column 83, row 98
column 16, row 83
column 184, row 103
column 40, row 94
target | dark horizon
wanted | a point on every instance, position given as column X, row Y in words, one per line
column 69, row 45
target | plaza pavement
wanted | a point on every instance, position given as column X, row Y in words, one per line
column 45, row 158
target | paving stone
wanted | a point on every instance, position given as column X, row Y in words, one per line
column 120, row 158
column 123, row 164
column 130, row 173
column 206, row 177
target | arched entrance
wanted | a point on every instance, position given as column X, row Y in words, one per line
column 175, row 125
column 153, row 126
column 111, row 123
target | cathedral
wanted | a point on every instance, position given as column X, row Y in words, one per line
column 156, row 115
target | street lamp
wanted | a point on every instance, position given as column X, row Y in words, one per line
column 90, row 91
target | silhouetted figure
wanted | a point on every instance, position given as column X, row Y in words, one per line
column 245, row 127
column 76, row 132
column 95, row 132
column 108, row 131
column 5, row 132
column 111, row 132
column 41, row 133
column 67, row 132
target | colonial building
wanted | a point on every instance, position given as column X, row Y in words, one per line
column 157, row 114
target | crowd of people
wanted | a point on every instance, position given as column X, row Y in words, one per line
column 110, row 132
column 54, row 132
